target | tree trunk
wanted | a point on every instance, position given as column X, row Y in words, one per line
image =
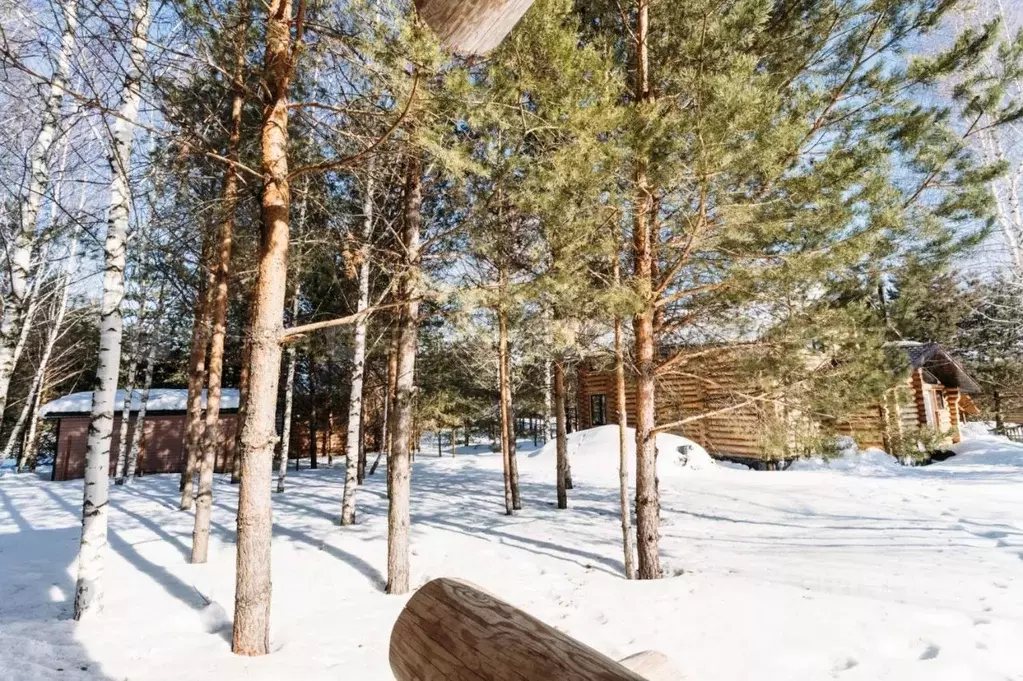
column 999, row 417
column 314, row 417
column 562, row 436
column 392, row 370
column 89, row 587
column 360, row 469
column 147, row 383
column 211, row 429
column 253, row 587
column 504, row 397
column 454, row 441
column 623, row 459
column 243, row 401
column 513, row 461
column 354, row 438
column 289, row 394
column 399, row 473
column 39, row 380
column 19, row 254
column 129, row 392
column 647, row 502
column 197, row 377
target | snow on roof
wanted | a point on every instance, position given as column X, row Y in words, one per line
column 160, row 399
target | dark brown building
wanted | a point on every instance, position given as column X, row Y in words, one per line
column 162, row 448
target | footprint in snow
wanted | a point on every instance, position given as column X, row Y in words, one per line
column 993, row 535
column 930, row 652
column 845, row 665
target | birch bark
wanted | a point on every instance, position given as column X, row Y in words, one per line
column 89, row 587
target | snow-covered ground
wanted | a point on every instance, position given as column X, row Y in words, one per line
column 849, row 572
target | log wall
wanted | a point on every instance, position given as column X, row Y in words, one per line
column 741, row 430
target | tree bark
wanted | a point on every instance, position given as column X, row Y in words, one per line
column 360, row 469
column 39, row 380
column 12, row 320
column 258, row 433
column 129, row 392
column 211, row 429
column 647, row 501
column 623, row 459
column 289, row 395
column 513, row 459
column 89, row 587
column 504, row 397
column 138, row 435
column 392, row 370
column 197, row 378
column 399, row 473
column 358, row 361
column 562, row 436
column 314, row 418
column 243, row 402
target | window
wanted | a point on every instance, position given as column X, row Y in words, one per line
column 939, row 398
column 598, row 410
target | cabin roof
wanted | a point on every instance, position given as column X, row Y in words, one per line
column 161, row 400
column 940, row 365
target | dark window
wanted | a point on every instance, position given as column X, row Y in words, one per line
column 598, row 410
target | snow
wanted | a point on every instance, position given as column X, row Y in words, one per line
column 852, row 460
column 796, row 575
column 160, row 399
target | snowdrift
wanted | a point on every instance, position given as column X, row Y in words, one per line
column 852, row 460
column 593, row 454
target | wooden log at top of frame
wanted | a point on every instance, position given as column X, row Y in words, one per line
column 452, row 631
column 472, row 26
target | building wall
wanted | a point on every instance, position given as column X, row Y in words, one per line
column 162, row 446
column 735, row 428
column 733, row 425
column 926, row 405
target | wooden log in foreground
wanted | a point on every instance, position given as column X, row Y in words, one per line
column 472, row 26
column 653, row 666
column 452, row 631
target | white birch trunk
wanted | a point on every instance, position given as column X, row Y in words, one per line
column 20, row 254
column 39, row 382
column 89, row 587
column 129, row 391
column 359, row 362
column 140, row 420
column 289, row 396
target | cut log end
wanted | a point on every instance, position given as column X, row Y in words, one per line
column 472, row 27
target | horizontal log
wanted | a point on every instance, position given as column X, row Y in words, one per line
column 452, row 631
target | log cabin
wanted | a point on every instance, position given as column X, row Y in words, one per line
column 936, row 394
column 738, row 426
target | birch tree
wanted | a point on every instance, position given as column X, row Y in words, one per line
column 91, row 556
column 289, row 394
column 39, row 380
column 20, row 252
column 354, row 436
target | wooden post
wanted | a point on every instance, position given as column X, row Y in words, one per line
column 474, row 27
column 452, row 631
